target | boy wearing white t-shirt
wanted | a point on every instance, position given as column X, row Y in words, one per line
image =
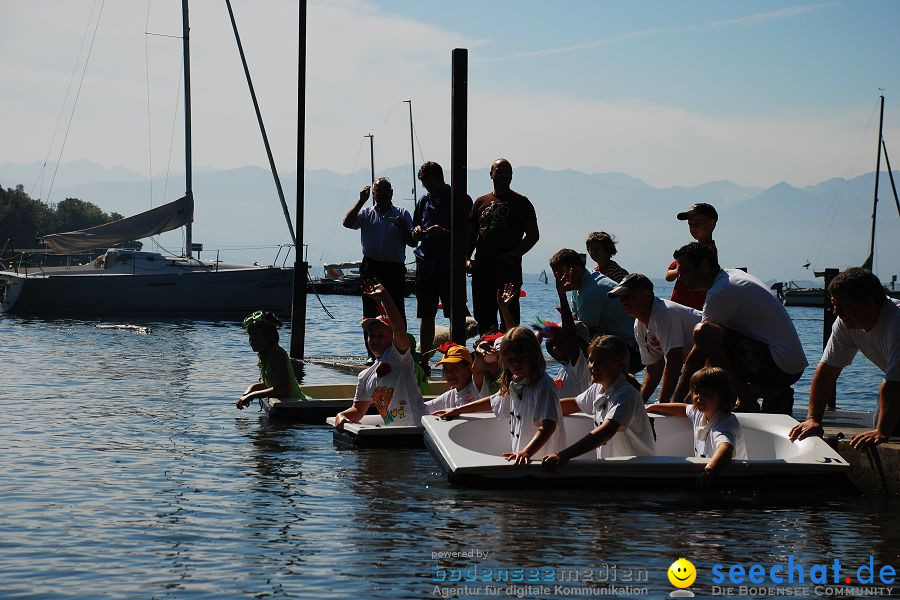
column 391, row 382
column 717, row 432
column 457, row 366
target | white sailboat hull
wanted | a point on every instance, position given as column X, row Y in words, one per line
column 209, row 294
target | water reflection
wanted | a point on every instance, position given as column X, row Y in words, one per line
column 128, row 471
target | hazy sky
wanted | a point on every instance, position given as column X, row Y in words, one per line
column 675, row 93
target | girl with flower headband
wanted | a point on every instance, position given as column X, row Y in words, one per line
column 276, row 375
column 390, row 383
column 527, row 397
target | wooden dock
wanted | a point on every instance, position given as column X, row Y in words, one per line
column 874, row 471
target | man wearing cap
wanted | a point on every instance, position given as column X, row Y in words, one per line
column 744, row 330
column 502, row 229
column 867, row 321
column 390, row 383
column 663, row 330
column 457, row 364
column 384, row 233
column 702, row 219
column 591, row 302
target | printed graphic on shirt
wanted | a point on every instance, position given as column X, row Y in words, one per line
column 653, row 343
column 493, row 218
column 382, row 398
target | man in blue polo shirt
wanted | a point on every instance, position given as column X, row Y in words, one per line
column 384, row 233
column 591, row 302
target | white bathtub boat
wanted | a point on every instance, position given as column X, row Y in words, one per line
column 469, row 448
column 371, row 432
column 327, row 401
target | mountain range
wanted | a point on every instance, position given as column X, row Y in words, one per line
column 772, row 231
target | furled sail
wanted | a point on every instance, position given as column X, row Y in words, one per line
column 157, row 220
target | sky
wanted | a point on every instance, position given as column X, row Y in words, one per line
column 674, row 93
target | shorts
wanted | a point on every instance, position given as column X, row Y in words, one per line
column 432, row 289
column 752, row 361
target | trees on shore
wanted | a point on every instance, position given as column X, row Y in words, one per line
column 24, row 219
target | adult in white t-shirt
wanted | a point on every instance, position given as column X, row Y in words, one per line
column 663, row 330
column 867, row 321
column 744, row 330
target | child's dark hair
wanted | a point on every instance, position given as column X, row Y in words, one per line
column 715, row 380
column 264, row 321
column 566, row 258
column 606, row 240
column 612, row 348
column 520, row 341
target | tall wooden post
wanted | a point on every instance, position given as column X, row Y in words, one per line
column 828, row 319
column 301, row 268
column 458, row 218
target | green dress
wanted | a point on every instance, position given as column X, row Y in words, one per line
column 267, row 372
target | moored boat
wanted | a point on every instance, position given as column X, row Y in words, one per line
column 469, row 451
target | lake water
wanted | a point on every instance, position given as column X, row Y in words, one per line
column 128, row 473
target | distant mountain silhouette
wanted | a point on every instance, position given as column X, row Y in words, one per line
column 771, row 231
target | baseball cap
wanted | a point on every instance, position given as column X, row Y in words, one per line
column 380, row 319
column 699, row 208
column 632, row 282
column 456, row 354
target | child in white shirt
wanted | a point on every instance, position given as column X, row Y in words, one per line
column 527, row 397
column 614, row 399
column 717, row 432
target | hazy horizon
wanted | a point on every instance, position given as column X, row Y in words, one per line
column 672, row 94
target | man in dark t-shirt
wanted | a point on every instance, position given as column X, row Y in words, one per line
column 502, row 228
column 431, row 229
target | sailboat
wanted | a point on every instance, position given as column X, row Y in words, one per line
column 130, row 283
column 793, row 295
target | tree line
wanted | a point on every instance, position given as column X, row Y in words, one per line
column 24, row 219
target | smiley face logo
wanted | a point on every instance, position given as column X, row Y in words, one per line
column 682, row 573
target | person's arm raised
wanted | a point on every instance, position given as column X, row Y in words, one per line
column 375, row 290
column 350, row 217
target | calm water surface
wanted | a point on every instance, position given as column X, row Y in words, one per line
column 127, row 473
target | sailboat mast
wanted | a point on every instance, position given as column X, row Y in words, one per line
column 870, row 261
column 185, row 37
column 412, row 148
column 371, row 137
